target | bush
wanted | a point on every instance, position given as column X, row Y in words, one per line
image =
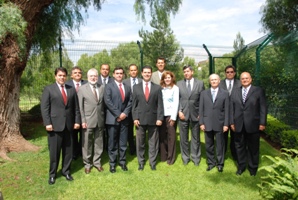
column 281, row 179
column 35, row 111
column 289, row 139
column 275, row 128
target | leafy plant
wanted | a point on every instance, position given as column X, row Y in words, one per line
column 281, row 178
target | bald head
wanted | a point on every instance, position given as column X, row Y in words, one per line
column 245, row 79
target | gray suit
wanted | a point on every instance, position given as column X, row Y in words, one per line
column 214, row 115
column 117, row 130
column 223, row 85
column 189, row 106
column 147, row 112
column 92, row 112
column 155, row 78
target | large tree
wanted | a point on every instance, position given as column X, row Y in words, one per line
column 25, row 24
column 280, row 16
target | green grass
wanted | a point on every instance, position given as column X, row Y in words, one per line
column 26, row 104
column 27, row 177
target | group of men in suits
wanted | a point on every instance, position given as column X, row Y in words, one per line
column 77, row 114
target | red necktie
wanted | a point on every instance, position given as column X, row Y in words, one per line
column 121, row 92
column 77, row 86
column 63, row 95
column 146, row 92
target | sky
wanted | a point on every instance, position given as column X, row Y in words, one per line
column 210, row 22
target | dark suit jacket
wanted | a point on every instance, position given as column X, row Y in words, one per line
column 114, row 103
column 223, row 85
column 127, row 81
column 54, row 111
column 147, row 112
column 100, row 81
column 70, row 82
column 214, row 115
column 252, row 114
column 189, row 104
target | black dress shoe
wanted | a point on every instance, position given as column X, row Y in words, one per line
column 124, row 167
column 209, row 168
column 69, row 177
column 220, row 168
column 112, row 169
column 141, row 167
column 52, row 180
column 153, row 167
column 239, row 172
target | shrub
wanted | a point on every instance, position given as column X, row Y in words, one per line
column 289, row 139
column 35, row 111
column 281, row 178
column 275, row 128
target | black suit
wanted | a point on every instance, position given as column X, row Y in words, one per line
column 214, row 116
column 223, row 85
column 77, row 133
column 117, row 130
column 147, row 112
column 110, row 79
column 247, row 117
column 62, row 117
column 130, row 136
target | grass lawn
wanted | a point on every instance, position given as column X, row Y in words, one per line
column 27, row 177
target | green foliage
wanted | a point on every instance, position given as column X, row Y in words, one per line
column 35, row 111
column 61, row 17
column 289, row 139
column 280, row 17
column 275, row 128
column 239, row 43
column 39, row 72
column 281, row 177
column 166, row 6
column 12, row 23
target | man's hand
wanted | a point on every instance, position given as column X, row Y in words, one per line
column 233, row 127
column 84, row 125
column 49, row 127
column 181, row 115
column 202, row 127
column 136, row 123
column 76, row 126
column 158, row 122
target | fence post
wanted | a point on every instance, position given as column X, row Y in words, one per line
column 258, row 57
column 210, row 60
column 141, row 54
column 60, row 50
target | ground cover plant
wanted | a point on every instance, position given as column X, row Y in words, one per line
column 26, row 177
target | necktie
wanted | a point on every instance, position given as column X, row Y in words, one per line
column 244, row 95
column 230, row 87
column 77, row 86
column 146, row 92
column 188, row 87
column 133, row 81
column 95, row 93
column 213, row 96
column 104, row 81
column 121, row 92
column 63, row 94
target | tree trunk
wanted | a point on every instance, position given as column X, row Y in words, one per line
column 11, row 68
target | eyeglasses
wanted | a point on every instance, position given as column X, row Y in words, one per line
column 229, row 72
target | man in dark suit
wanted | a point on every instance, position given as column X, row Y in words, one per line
column 230, row 83
column 104, row 77
column 214, row 121
column 76, row 82
column 92, row 111
column 61, row 114
column 131, row 81
column 118, row 101
column 160, row 64
column 147, row 113
column 189, row 101
column 248, row 116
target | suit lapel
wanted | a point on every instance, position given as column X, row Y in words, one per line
column 250, row 92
